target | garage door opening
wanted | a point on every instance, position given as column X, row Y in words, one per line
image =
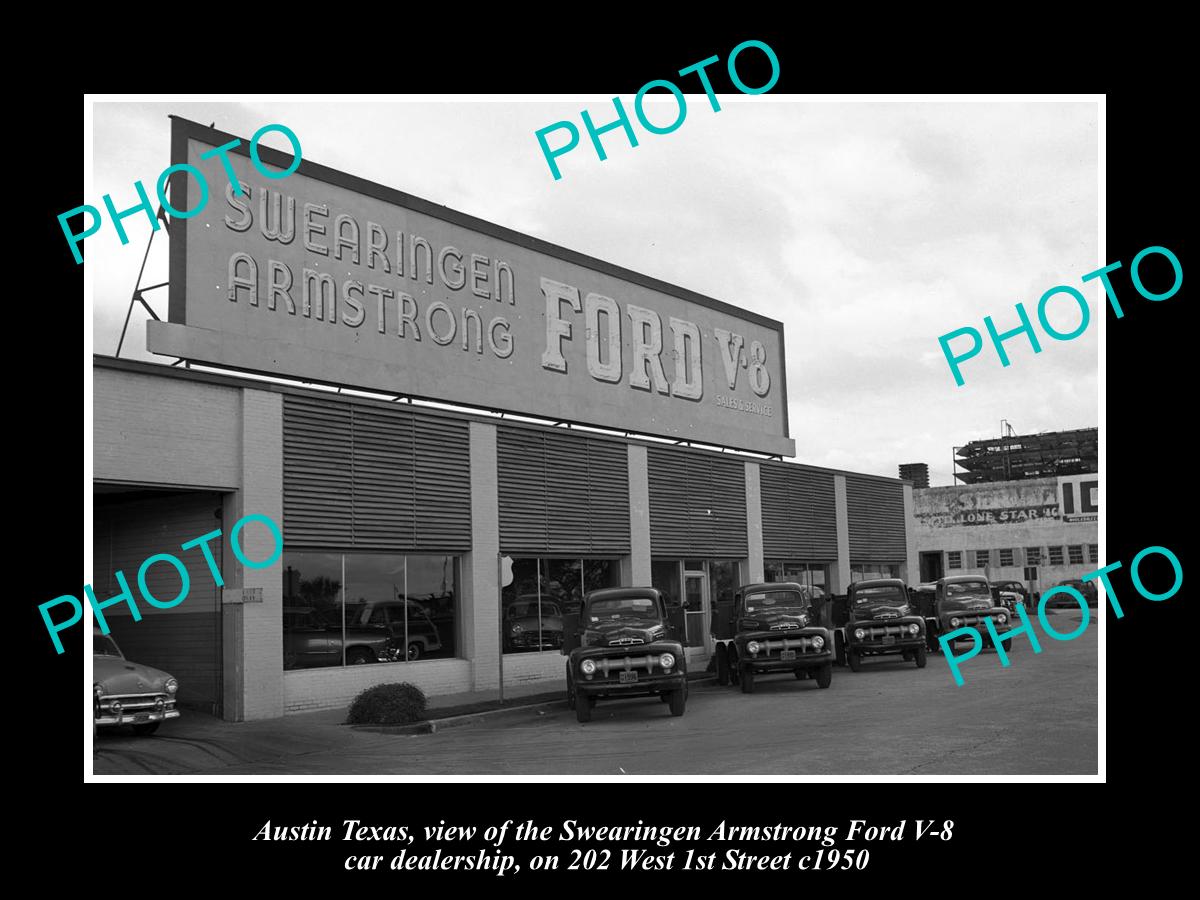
column 133, row 524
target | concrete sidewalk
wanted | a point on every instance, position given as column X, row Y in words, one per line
column 200, row 742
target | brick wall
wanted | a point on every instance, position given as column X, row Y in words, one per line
column 165, row 431
column 305, row 690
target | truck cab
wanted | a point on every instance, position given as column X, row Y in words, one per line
column 880, row 619
column 965, row 601
column 624, row 643
column 770, row 628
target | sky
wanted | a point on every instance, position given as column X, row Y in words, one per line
column 869, row 229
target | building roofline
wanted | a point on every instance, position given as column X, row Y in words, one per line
column 239, row 380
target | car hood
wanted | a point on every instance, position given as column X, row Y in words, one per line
column 624, row 631
column 120, row 676
column 969, row 604
column 868, row 613
column 780, row 621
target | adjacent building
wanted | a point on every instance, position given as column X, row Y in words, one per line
column 1037, row 531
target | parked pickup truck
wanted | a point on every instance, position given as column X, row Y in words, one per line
column 623, row 643
column 965, row 601
column 771, row 628
column 877, row 619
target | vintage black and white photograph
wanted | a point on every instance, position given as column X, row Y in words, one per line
column 686, row 434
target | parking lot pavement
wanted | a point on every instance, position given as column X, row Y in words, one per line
column 1038, row 716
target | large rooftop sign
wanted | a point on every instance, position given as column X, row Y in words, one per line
column 330, row 278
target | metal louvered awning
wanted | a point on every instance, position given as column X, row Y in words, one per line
column 799, row 515
column 697, row 504
column 561, row 493
column 357, row 475
column 875, row 514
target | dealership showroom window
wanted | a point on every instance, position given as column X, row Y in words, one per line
column 543, row 590
column 358, row 608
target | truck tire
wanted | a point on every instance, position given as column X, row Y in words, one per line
column 678, row 702
column 855, row 659
column 722, row 665
column 839, row 648
column 825, row 675
column 570, row 689
column 746, row 677
column 920, row 657
column 583, row 709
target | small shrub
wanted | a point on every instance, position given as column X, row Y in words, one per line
column 388, row 704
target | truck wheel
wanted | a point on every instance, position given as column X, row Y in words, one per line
column 678, row 702
column 920, row 655
column 570, row 689
column 839, row 648
column 583, row 709
column 825, row 675
column 722, row 665
column 747, row 680
column 855, row 660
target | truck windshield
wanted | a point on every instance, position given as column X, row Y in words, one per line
column 776, row 601
column 965, row 590
column 623, row 608
column 888, row 594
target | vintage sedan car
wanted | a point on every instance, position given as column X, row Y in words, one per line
column 407, row 622
column 1086, row 588
column 313, row 638
column 528, row 626
column 772, row 628
column 128, row 693
column 1012, row 592
column 880, row 621
column 624, row 643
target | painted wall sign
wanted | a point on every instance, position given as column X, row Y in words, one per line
column 1011, row 503
column 333, row 278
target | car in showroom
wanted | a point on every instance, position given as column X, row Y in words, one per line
column 624, row 643
column 406, row 622
column 128, row 693
column 532, row 625
column 880, row 620
column 313, row 638
column 771, row 628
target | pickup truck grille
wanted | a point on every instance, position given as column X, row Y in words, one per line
column 878, row 632
column 970, row 620
column 610, row 666
column 799, row 644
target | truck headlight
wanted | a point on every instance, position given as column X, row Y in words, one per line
column 667, row 660
column 914, row 628
column 752, row 648
column 818, row 642
column 859, row 634
column 588, row 667
column 172, row 685
column 517, row 629
column 955, row 622
column 1001, row 618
